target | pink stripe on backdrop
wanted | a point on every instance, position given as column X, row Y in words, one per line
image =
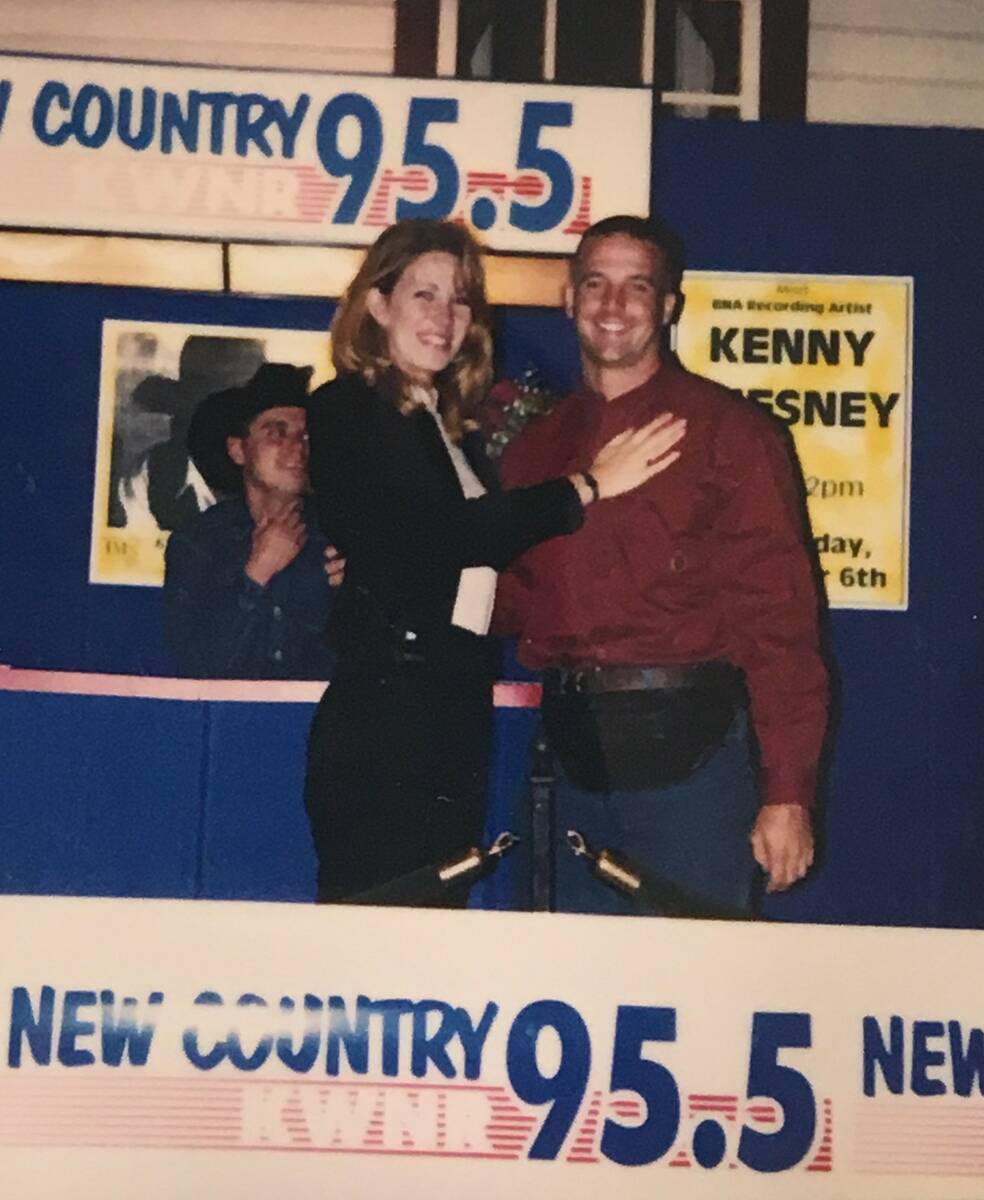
column 249, row 691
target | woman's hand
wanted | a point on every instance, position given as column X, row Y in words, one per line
column 632, row 457
column 334, row 564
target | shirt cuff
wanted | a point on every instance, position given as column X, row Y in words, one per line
column 571, row 506
column 782, row 785
column 250, row 593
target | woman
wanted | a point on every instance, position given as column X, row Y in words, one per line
column 400, row 744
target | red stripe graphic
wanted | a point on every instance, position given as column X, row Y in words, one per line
column 457, row 1120
column 460, row 1120
column 893, row 1136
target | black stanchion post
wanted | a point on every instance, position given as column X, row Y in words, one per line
column 542, row 778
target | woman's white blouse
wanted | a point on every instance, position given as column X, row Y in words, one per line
column 476, row 586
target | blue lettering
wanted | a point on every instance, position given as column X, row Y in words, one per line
column 923, row 1058
column 564, row 1089
column 890, row 1060
column 95, row 113
column 419, row 152
column 148, row 117
column 69, row 1055
column 967, row 1064
column 240, row 1060
column 391, row 1011
column 51, row 93
column 303, row 1059
column 434, row 1048
column 124, row 1035
column 189, row 1040
column 350, row 1033
column 219, row 103
column 251, row 128
column 340, row 1031
column 24, row 1024
column 537, row 116
column 175, row 121
column 473, row 1037
column 6, row 87
column 290, row 122
column 359, row 167
column 92, row 96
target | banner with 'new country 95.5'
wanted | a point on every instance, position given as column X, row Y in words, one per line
column 232, row 154
column 255, row 1050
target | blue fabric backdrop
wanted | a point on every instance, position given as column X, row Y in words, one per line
column 155, row 798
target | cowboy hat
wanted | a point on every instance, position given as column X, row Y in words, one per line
column 230, row 412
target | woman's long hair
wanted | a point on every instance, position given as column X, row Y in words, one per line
column 360, row 344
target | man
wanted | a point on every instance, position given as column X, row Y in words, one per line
column 668, row 607
column 246, row 587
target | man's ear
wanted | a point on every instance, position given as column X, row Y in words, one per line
column 672, row 307
column 569, row 299
column 378, row 306
column 234, row 448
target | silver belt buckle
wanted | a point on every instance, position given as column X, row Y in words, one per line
column 580, row 679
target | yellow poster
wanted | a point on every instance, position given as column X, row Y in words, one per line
column 830, row 357
column 152, row 377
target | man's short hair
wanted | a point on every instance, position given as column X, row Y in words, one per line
column 651, row 230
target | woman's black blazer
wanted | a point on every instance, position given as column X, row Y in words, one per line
column 389, row 498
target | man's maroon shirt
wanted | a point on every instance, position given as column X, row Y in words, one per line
column 706, row 562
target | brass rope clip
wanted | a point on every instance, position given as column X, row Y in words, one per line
column 473, row 861
column 579, row 847
column 607, row 866
column 502, row 844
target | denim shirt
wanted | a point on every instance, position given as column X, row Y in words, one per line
column 220, row 624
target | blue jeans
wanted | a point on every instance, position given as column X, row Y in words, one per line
column 693, row 833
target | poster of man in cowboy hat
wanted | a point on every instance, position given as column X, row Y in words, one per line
column 154, row 375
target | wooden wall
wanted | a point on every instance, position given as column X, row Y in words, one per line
column 897, row 62
column 325, row 35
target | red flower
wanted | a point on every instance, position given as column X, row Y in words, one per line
column 504, row 393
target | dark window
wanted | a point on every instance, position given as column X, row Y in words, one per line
column 501, row 39
column 599, row 42
column 698, row 46
column 785, row 33
column 697, row 49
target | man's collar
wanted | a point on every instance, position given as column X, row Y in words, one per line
column 668, row 367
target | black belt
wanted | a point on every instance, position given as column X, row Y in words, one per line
column 560, row 681
column 626, row 728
